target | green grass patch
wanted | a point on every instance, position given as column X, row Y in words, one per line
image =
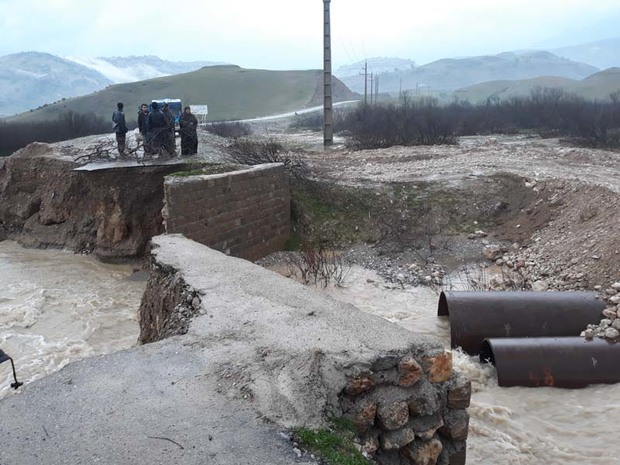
column 338, row 216
column 334, row 216
column 335, row 445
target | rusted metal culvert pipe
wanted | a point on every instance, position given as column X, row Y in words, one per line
column 567, row 362
column 476, row 316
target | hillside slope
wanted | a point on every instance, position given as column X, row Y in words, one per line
column 30, row 79
column 450, row 74
column 597, row 86
column 230, row 92
column 602, row 53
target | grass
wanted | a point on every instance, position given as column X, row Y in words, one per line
column 230, row 92
column 334, row 445
column 334, row 216
column 338, row 216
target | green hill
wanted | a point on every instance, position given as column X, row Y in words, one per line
column 230, row 92
column 597, row 86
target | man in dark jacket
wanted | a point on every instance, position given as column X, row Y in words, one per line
column 170, row 141
column 157, row 130
column 142, row 117
column 120, row 128
column 189, row 137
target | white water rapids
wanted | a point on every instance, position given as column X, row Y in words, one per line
column 57, row 307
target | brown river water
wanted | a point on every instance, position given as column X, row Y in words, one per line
column 57, row 307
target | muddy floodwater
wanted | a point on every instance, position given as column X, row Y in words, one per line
column 508, row 426
column 57, row 307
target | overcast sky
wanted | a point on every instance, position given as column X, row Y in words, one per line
column 288, row 34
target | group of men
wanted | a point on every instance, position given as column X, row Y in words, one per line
column 157, row 130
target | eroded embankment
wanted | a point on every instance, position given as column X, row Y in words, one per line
column 110, row 212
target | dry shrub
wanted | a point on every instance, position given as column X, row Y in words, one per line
column 317, row 265
column 229, row 130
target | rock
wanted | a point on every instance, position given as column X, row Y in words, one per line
column 438, row 368
column 612, row 333
column 393, row 416
column 460, row 395
column 491, row 252
column 391, row 440
column 610, row 313
column 423, row 453
column 365, row 416
column 456, row 425
column 359, row 384
column 540, row 286
column 410, row 372
column 370, row 446
column 422, row 406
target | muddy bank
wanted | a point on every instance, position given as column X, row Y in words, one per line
column 112, row 212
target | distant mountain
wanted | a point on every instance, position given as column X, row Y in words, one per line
column 375, row 65
column 449, row 74
column 602, row 53
column 597, row 86
column 230, row 92
column 30, row 79
column 139, row 68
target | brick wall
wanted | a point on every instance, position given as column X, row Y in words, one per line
column 242, row 213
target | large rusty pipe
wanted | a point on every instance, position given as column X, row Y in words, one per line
column 567, row 362
column 475, row 316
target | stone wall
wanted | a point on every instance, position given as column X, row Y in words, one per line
column 410, row 409
column 299, row 356
column 242, row 213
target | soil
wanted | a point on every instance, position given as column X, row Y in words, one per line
column 547, row 204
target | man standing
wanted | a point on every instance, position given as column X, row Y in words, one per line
column 189, row 137
column 170, row 141
column 120, row 128
column 142, row 116
column 157, row 127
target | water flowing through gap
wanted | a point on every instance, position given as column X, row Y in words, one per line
column 508, row 426
column 57, row 307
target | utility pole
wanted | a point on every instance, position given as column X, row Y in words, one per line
column 328, row 117
column 376, row 88
column 372, row 85
column 365, row 82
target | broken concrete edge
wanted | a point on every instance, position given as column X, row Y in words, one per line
column 235, row 169
column 302, row 357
